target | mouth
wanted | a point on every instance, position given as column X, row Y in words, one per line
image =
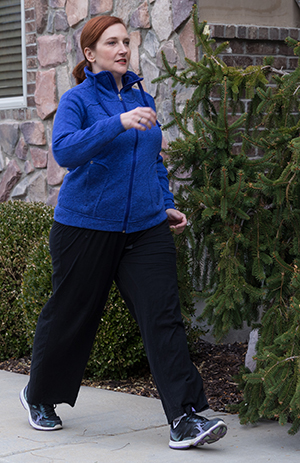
column 122, row 61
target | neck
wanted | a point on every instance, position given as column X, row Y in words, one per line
column 119, row 83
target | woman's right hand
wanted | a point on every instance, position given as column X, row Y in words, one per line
column 139, row 118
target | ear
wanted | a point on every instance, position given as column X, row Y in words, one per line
column 89, row 54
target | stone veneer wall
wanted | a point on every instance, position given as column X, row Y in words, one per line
column 28, row 170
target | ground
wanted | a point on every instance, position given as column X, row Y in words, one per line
column 218, row 364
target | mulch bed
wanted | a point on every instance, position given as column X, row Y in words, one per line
column 218, row 364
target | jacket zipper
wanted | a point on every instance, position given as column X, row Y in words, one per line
column 130, row 183
column 131, row 174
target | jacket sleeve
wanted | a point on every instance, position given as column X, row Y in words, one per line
column 74, row 145
column 164, row 182
column 161, row 170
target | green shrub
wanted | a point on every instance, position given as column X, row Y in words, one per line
column 21, row 224
column 118, row 349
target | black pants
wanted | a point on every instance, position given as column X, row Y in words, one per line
column 85, row 263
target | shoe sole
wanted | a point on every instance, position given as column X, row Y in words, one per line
column 210, row 436
column 30, row 420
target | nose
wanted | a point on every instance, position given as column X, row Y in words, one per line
column 123, row 49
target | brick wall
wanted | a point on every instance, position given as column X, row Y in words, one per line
column 249, row 45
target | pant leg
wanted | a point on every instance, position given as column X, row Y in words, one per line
column 147, row 278
column 84, row 262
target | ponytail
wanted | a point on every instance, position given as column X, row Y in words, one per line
column 78, row 71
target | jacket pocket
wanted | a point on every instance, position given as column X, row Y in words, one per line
column 96, row 181
column 155, row 189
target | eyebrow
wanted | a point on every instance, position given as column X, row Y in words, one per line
column 116, row 38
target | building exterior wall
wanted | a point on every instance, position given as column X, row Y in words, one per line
column 28, row 170
column 279, row 13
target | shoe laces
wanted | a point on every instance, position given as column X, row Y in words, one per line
column 48, row 411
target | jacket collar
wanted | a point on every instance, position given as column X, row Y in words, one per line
column 106, row 80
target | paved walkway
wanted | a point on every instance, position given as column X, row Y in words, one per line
column 113, row 427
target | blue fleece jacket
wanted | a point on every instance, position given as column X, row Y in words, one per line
column 116, row 180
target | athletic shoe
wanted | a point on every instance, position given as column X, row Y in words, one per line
column 193, row 430
column 41, row 417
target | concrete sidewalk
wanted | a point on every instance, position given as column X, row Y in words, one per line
column 109, row 427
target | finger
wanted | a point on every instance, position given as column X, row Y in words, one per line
column 143, row 121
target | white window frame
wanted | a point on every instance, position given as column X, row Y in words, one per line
column 19, row 101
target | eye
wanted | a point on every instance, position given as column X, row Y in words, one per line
column 127, row 43
column 111, row 42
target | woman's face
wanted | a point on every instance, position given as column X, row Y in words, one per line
column 111, row 53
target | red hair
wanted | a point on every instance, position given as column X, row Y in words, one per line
column 90, row 34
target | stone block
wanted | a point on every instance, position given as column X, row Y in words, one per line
column 61, row 21
column 52, row 197
column 55, row 173
column 263, row 33
column 57, row 3
column 51, row 50
column 50, row 24
column 28, row 4
column 31, row 88
column 274, row 33
column 151, row 44
column 294, row 33
column 280, row 63
column 9, row 179
column 140, row 17
column 21, row 149
column 218, row 30
column 187, row 40
column 292, row 64
column 62, row 80
column 150, row 72
column 9, row 135
column 261, row 48
column 236, row 47
column 171, row 54
column 33, row 132
column 162, row 19
column 135, row 42
column 181, row 10
column 76, row 45
column 284, row 33
column 101, row 6
column 2, row 162
column 230, row 32
column 45, row 94
column 123, row 9
column 28, row 167
column 39, row 157
column 30, row 39
column 241, row 32
column 251, row 352
column 20, row 190
column 37, row 188
column 76, row 10
column 41, row 10
column 252, row 32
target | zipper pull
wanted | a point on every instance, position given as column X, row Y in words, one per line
column 120, row 98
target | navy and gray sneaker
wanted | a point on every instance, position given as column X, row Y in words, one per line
column 194, row 430
column 41, row 417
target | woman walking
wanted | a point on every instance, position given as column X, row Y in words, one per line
column 112, row 223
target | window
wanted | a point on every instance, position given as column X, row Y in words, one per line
column 12, row 54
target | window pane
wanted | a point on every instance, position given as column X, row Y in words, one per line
column 11, row 84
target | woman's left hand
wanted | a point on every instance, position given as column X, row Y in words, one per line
column 177, row 220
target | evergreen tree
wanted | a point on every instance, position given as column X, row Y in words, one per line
column 244, row 211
